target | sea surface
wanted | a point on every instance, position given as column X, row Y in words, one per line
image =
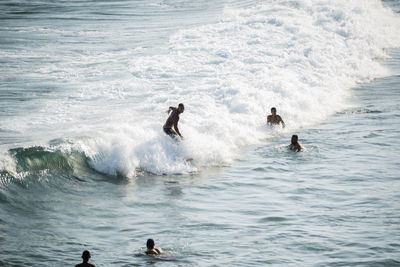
column 85, row 165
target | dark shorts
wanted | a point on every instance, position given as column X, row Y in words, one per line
column 169, row 132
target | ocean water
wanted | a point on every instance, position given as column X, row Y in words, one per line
column 84, row 163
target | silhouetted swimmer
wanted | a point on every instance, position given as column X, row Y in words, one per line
column 85, row 263
column 151, row 250
column 295, row 145
column 275, row 119
column 172, row 121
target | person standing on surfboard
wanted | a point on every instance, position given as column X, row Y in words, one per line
column 275, row 119
column 172, row 121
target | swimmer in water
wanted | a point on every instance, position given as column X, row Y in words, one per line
column 85, row 263
column 295, row 145
column 275, row 119
column 151, row 250
column 172, row 121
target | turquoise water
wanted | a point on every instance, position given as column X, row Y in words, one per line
column 84, row 163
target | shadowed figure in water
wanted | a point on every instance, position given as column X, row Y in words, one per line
column 151, row 250
column 294, row 144
column 85, row 263
column 275, row 119
column 171, row 125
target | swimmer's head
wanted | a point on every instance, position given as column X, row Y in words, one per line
column 86, row 255
column 150, row 243
column 295, row 138
column 181, row 108
column 273, row 111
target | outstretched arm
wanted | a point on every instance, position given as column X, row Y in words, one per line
column 269, row 119
column 170, row 109
column 177, row 130
column 281, row 121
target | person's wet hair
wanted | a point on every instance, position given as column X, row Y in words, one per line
column 150, row 243
column 273, row 109
column 86, row 255
column 295, row 138
column 181, row 105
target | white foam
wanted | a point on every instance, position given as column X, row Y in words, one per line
column 7, row 163
column 302, row 57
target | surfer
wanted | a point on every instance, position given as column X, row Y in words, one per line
column 151, row 250
column 85, row 263
column 172, row 121
column 295, row 145
column 275, row 119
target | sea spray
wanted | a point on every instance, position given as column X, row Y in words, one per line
column 302, row 57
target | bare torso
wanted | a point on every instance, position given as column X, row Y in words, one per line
column 271, row 119
column 154, row 251
column 295, row 147
column 172, row 119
